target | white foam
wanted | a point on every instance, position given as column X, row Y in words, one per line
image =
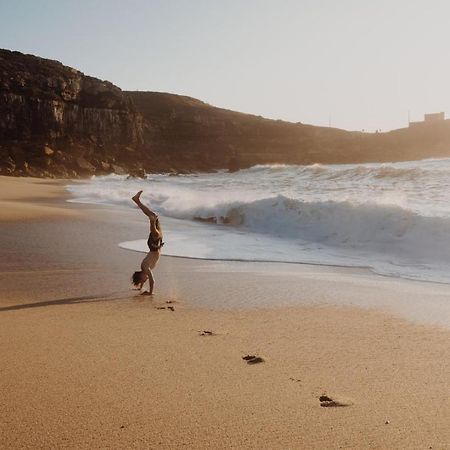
column 394, row 218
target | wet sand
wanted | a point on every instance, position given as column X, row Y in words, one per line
column 87, row 363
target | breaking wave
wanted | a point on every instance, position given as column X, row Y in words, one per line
column 369, row 227
column 394, row 218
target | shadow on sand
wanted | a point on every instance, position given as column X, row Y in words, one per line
column 66, row 301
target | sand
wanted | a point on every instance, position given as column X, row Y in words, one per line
column 32, row 198
column 87, row 363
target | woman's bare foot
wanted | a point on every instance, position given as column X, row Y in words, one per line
column 136, row 197
column 146, row 293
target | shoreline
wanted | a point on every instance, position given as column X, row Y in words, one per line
column 260, row 261
column 88, row 363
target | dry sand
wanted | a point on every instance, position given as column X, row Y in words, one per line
column 86, row 363
column 32, row 198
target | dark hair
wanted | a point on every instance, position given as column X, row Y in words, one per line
column 136, row 278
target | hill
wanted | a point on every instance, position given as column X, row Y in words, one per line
column 57, row 122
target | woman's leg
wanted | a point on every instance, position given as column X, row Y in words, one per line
column 147, row 211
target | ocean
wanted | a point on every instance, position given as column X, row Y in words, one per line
column 393, row 218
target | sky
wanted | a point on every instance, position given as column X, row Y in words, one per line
column 354, row 64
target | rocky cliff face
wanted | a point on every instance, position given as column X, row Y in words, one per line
column 56, row 121
column 191, row 134
column 196, row 135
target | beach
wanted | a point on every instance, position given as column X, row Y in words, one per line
column 88, row 363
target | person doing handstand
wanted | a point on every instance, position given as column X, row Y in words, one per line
column 154, row 243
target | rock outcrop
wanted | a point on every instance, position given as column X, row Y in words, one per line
column 57, row 122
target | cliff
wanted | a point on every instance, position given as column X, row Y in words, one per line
column 56, row 121
column 200, row 137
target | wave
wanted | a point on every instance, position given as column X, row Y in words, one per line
column 358, row 226
column 353, row 172
column 394, row 218
column 369, row 227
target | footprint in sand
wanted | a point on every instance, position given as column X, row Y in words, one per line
column 206, row 333
column 329, row 402
column 253, row 359
column 171, row 308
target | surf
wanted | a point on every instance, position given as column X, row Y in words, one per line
column 393, row 218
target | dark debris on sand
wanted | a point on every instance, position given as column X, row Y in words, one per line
column 207, row 333
column 328, row 402
column 170, row 308
column 253, row 359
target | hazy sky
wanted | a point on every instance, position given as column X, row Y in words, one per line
column 365, row 63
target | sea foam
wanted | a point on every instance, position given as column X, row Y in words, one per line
column 393, row 218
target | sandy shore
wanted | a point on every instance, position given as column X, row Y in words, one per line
column 32, row 198
column 86, row 363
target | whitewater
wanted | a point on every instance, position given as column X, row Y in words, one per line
column 393, row 218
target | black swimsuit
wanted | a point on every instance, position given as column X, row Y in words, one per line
column 154, row 244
